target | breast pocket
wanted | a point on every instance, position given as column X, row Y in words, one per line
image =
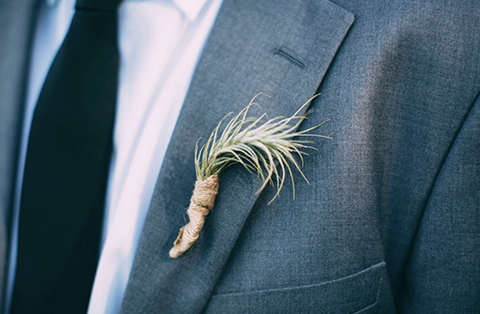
column 356, row 293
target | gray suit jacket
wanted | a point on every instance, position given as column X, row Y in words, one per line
column 391, row 218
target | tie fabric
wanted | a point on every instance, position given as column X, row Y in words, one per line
column 66, row 168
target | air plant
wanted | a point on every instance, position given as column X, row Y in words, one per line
column 266, row 149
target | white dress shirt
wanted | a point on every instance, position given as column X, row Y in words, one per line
column 160, row 42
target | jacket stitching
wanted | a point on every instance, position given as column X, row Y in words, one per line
column 381, row 264
column 290, row 56
column 376, row 300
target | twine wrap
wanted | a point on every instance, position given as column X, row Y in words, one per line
column 201, row 203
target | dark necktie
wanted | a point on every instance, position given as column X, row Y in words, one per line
column 66, row 167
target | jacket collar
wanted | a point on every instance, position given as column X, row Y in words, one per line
column 281, row 48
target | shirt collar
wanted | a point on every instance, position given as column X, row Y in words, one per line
column 191, row 8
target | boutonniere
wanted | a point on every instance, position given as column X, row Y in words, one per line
column 266, row 148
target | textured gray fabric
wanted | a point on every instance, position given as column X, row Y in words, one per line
column 15, row 29
column 390, row 220
column 447, row 241
column 229, row 74
column 339, row 296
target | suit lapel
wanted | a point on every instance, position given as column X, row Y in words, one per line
column 280, row 48
column 15, row 34
column 16, row 25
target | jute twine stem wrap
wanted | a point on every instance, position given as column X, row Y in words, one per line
column 201, row 203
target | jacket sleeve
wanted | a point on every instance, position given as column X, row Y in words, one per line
column 443, row 271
